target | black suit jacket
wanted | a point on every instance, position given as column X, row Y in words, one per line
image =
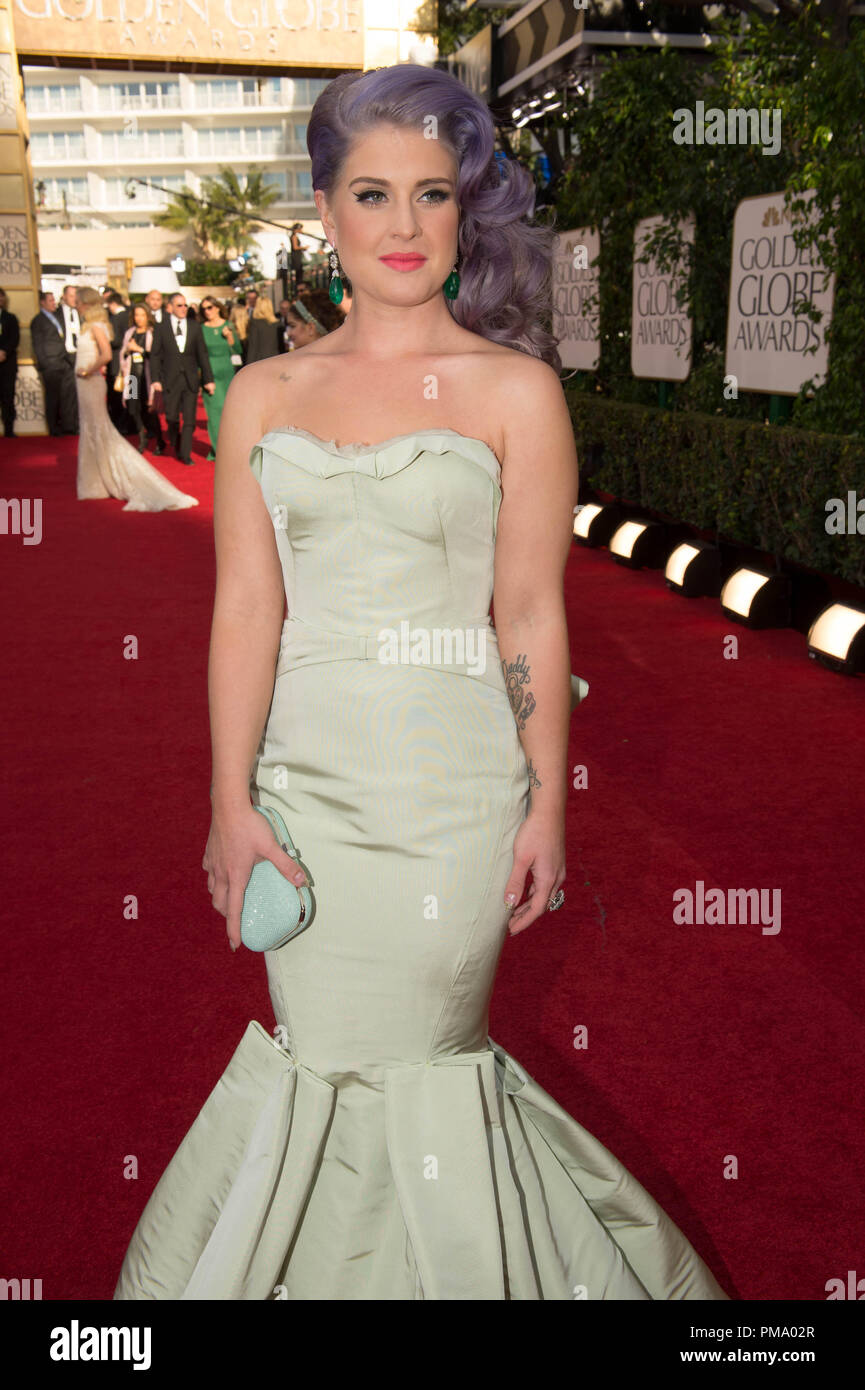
column 118, row 323
column 9, row 334
column 173, row 368
column 49, row 347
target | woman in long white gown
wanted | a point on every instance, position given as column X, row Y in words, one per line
column 108, row 465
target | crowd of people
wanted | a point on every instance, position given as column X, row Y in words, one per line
column 216, row 337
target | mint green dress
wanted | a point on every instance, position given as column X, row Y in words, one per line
column 378, row 1144
column 219, row 352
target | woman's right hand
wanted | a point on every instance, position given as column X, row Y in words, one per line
column 238, row 839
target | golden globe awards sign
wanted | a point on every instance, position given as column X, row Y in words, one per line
column 287, row 32
column 661, row 326
column 14, row 250
column 575, row 298
column 29, row 401
column 769, row 346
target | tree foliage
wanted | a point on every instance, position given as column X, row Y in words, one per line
column 627, row 167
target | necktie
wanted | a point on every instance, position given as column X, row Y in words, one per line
column 177, row 327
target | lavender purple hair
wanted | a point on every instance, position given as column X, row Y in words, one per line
column 504, row 261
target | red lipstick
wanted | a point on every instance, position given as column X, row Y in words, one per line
column 400, row 260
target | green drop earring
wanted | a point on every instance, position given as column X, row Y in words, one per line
column 451, row 285
column 335, row 290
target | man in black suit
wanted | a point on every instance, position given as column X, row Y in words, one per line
column 118, row 322
column 56, row 368
column 176, row 358
column 9, row 334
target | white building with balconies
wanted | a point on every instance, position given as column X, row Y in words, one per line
column 92, row 130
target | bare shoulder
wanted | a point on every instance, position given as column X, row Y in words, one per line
column 531, row 406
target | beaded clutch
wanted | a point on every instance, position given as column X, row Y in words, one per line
column 274, row 910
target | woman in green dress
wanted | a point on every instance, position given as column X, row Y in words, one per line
column 219, row 341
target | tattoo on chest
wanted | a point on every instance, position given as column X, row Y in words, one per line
column 517, row 679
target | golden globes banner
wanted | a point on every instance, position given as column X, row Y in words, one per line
column 661, row 324
column 769, row 346
column 15, row 268
column 575, row 298
column 295, row 32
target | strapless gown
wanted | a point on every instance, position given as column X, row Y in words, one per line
column 108, row 465
column 380, row 1145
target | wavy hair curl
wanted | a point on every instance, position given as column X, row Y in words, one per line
column 504, row 260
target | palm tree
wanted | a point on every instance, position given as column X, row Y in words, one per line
column 187, row 213
column 224, row 218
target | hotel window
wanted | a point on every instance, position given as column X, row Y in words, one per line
column 139, row 96
column 265, row 139
column 76, row 192
column 40, row 99
column 114, row 192
column 271, row 91
column 275, row 178
column 218, row 143
column 57, row 144
column 305, row 90
column 303, row 183
column 135, row 142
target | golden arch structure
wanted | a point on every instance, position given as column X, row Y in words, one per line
column 308, row 38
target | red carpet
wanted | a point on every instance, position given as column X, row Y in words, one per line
column 707, row 1045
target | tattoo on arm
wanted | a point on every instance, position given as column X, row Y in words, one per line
column 285, row 376
column 517, row 677
column 534, row 781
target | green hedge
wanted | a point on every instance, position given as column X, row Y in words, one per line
column 751, row 483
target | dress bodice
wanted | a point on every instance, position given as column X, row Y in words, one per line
column 217, row 346
column 87, row 350
column 369, row 536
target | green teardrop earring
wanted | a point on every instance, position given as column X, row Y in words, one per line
column 451, row 285
column 335, row 290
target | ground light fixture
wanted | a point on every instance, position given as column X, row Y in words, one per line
column 694, row 569
column 595, row 522
column 836, row 638
column 639, row 544
column 756, row 599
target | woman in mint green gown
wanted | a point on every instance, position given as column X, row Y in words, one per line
column 376, row 1143
column 219, row 341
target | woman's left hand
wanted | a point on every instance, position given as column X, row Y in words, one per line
column 539, row 847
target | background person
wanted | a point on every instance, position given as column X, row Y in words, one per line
column 177, row 358
column 55, row 367
column 108, row 465
column 118, row 323
column 297, row 268
column 221, row 344
column 238, row 319
column 153, row 300
column 135, row 354
column 263, row 333
column 311, row 315
column 10, row 333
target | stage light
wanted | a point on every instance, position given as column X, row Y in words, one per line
column 757, row 600
column 639, row 544
column 836, row 638
column 694, row 569
column 595, row 523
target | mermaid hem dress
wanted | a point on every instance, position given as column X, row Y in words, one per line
column 381, row 1145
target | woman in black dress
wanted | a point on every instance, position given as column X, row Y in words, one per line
column 262, row 338
column 296, row 254
column 135, row 366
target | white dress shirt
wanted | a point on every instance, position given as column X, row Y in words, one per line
column 71, row 325
column 178, row 328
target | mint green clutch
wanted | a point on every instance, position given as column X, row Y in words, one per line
column 274, row 910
